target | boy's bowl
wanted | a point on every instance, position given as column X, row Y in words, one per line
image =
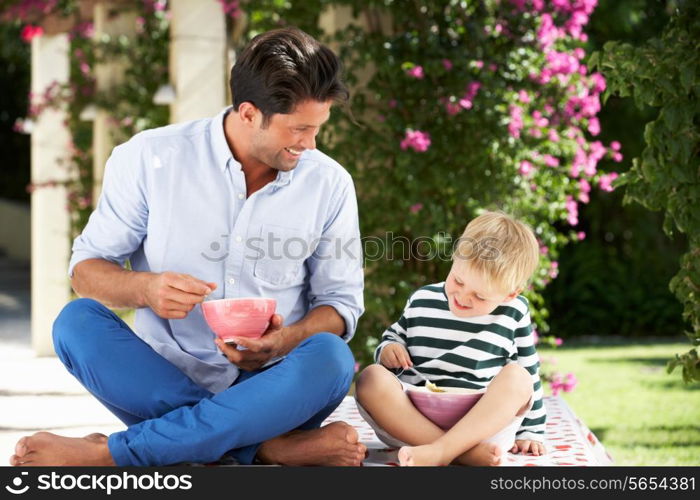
column 444, row 409
column 247, row 317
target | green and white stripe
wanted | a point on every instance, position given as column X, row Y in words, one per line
column 468, row 352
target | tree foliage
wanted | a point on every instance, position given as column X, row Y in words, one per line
column 665, row 73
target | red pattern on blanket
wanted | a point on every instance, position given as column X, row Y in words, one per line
column 568, row 441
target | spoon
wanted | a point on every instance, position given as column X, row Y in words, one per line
column 428, row 384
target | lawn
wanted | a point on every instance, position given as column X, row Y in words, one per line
column 643, row 415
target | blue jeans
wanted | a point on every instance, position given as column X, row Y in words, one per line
column 171, row 419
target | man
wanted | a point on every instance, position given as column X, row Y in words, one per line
column 238, row 205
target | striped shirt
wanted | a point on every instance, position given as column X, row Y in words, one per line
column 468, row 352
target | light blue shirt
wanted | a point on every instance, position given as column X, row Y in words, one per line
column 174, row 199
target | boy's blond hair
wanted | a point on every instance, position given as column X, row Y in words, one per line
column 501, row 249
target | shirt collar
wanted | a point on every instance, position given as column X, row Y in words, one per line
column 222, row 153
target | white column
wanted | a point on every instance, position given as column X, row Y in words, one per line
column 197, row 59
column 50, row 222
column 108, row 75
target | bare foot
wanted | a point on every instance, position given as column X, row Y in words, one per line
column 335, row 444
column 45, row 448
column 483, row 454
column 428, row 454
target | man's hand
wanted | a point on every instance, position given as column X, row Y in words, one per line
column 271, row 344
column 174, row 295
column 525, row 445
column 395, row 355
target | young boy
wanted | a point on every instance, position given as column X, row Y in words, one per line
column 473, row 331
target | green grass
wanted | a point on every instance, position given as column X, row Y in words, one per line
column 642, row 415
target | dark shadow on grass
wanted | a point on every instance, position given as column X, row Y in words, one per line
column 600, row 433
column 643, row 361
column 672, row 384
column 594, row 341
column 680, row 436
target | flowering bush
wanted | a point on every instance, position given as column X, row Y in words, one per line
column 470, row 106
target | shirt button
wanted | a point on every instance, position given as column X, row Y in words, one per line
column 241, row 196
column 238, row 239
column 231, row 281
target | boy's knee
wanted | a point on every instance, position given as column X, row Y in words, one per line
column 519, row 377
column 374, row 378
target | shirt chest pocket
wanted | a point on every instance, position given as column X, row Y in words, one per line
column 281, row 254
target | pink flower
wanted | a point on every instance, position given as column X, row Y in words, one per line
column 231, row 7
column 544, row 250
column 581, row 235
column 535, row 336
column 570, row 382
column 572, row 211
column 584, row 188
column 551, row 161
column 447, row 64
column 525, row 168
column 559, row 383
column 598, row 82
column 553, row 135
column 414, row 209
column 30, row 31
column 617, row 157
column 479, row 64
column 516, row 121
column 416, row 72
column 615, row 145
column 605, row 181
column 548, row 33
column 594, row 126
column 417, row 140
column 540, row 121
column 451, row 107
column 558, row 341
column 524, row 97
column 357, row 367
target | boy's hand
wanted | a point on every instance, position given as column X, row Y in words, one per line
column 525, row 445
column 395, row 355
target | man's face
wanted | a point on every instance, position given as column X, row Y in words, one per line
column 280, row 144
column 468, row 293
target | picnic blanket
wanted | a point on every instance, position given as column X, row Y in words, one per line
column 568, row 441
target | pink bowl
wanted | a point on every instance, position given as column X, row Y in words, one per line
column 248, row 317
column 444, row 409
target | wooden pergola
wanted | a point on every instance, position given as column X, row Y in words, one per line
column 198, row 73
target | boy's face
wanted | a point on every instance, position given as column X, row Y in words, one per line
column 469, row 295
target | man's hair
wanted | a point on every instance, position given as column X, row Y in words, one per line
column 281, row 68
column 501, row 249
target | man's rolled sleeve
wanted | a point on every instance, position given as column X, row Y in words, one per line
column 335, row 267
column 117, row 226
